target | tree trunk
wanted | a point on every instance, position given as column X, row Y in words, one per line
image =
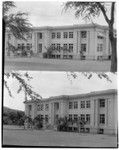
column 114, row 50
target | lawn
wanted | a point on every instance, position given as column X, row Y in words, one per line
column 19, row 136
column 55, row 64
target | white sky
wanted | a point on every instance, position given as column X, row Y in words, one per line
column 56, row 83
column 49, row 13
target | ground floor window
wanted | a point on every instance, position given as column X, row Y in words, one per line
column 100, row 131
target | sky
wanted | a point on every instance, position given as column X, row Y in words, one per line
column 49, row 84
column 50, row 13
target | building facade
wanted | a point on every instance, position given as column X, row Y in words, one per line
column 98, row 109
column 89, row 41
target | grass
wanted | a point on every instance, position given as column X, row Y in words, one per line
column 56, row 64
column 21, row 137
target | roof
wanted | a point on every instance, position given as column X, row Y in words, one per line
column 68, row 97
column 75, row 26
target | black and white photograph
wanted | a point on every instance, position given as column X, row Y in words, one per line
column 59, row 74
column 62, row 109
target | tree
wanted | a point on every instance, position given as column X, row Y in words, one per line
column 89, row 10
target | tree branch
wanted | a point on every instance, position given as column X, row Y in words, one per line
column 112, row 13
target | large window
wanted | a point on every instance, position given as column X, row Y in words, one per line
column 102, row 118
column 70, row 105
column 88, row 104
column 46, row 107
column 100, row 47
column 40, row 107
column 88, row 118
column 82, row 104
column 83, row 47
column 53, row 46
column 70, row 47
column 83, row 34
column 58, row 35
column 40, row 35
column 40, row 48
column 65, row 35
column 70, row 34
column 70, row 117
column 75, row 117
column 75, row 105
column 83, row 117
column 53, row 35
column 58, row 47
column 102, row 102
column 65, row 46
column 46, row 118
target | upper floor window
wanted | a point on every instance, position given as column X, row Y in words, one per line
column 58, row 35
column 56, row 106
column 88, row 118
column 75, row 105
column 70, row 105
column 53, row 46
column 30, row 107
column 82, row 104
column 53, row 35
column 102, row 118
column 58, row 47
column 40, row 35
column 70, row 47
column 29, row 36
column 100, row 47
column 41, row 106
column 100, row 37
column 75, row 117
column 70, row 117
column 83, row 47
column 46, row 118
column 70, row 34
column 82, row 117
column 65, row 35
column 88, row 104
column 102, row 102
column 46, row 107
column 40, row 48
column 65, row 46
column 83, row 34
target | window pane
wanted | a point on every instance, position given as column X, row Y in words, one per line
column 70, row 34
column 70, row 105
column 83, row 34
column 102, row 118
column 75, row 105
column 87, row 104
column 102, row 102
column 82, row 104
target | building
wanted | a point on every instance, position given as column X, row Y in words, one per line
column 99, row 109
column 89, row 41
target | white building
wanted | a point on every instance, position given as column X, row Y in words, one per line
column 89, row 41
column 99, row 109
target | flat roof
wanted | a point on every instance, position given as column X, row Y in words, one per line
column 68, row 97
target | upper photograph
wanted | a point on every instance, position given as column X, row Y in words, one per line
column 59, row 36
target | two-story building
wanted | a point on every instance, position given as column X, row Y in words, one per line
column 88, row 41
column 98, row 109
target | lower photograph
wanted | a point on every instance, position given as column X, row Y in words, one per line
column 60, row 109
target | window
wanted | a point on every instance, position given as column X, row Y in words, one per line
column 70, row 105
column 41, row 108
column 70, row 117
column 70, row 34
column 41, row 116
column 56, row 106
column 58, row 47
column 53, row 35
column 46, row 118
column 75, row 105
column 83, row 34
column 53, row 46
column 101, row 131
column 40, row 36
column 65, row 34
column 30, row 107
column 39, row 48
column 46, row 107
column 19, row 46
column 65, row 46
column 102, row 118
column 82, row 104
column 75, row 117
column 23, row 46
column 70, row 47
column 100, row 37
column 58, row 35
column 82, row 117
column 100, row 47
column 87, row 130
column 83, row 47
column 28, row 46
column 87, row 104
column 29, row 36
column 88, row 118
column 38, row 107
column 102, row 102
